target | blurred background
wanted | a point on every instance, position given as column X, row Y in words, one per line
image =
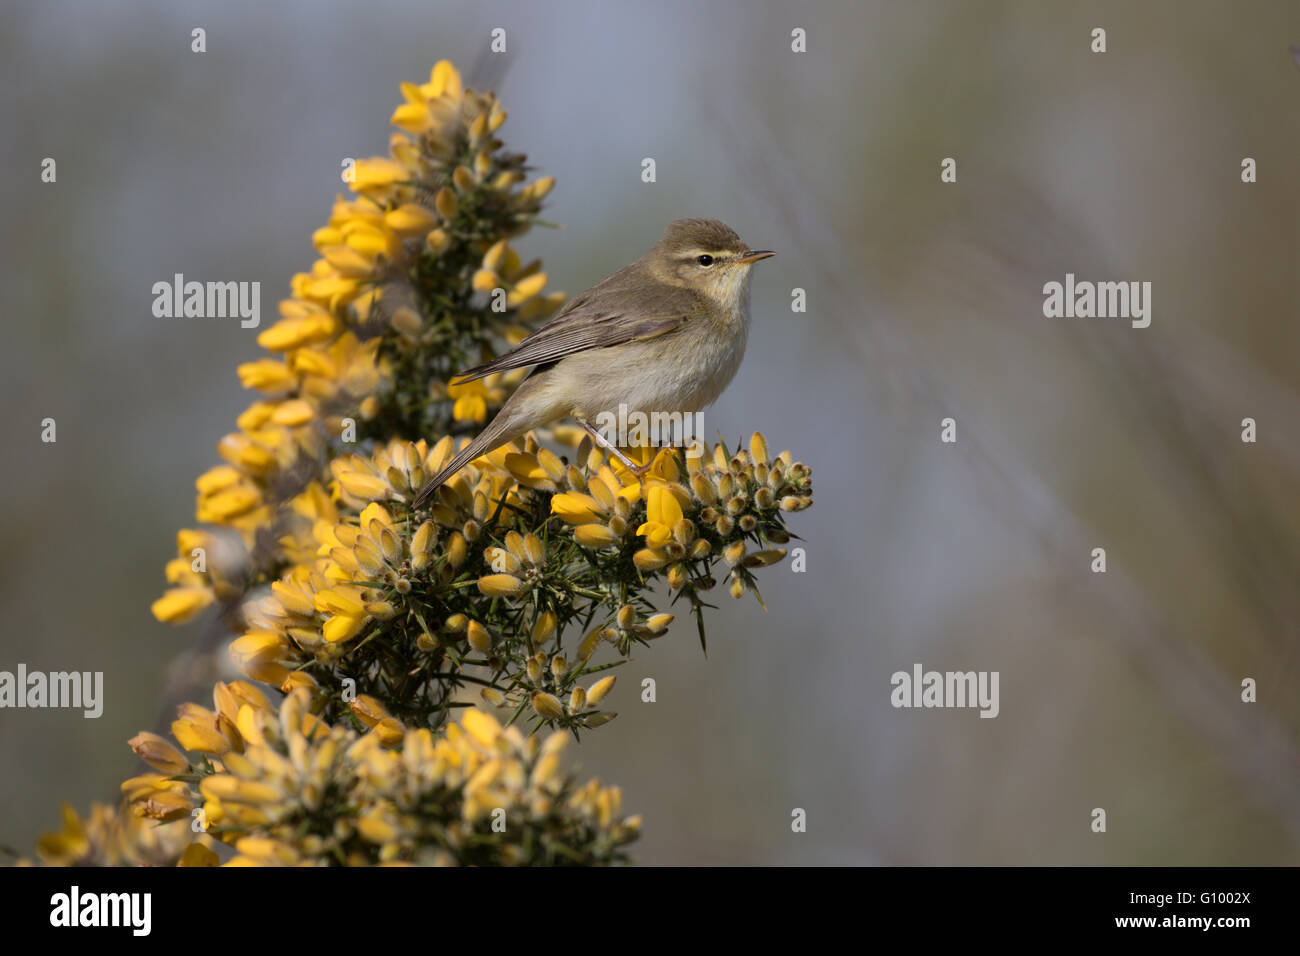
column 1118, row 690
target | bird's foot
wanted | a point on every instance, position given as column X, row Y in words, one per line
column 638, row 470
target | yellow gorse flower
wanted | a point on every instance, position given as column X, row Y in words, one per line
column 370, row 616
column 663, row 511
column 288, row 765
column 111, row 836
column 472, row 400
column 327, row 374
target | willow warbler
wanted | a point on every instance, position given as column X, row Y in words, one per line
column 665, row 334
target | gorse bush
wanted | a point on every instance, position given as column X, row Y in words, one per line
column 363, row 624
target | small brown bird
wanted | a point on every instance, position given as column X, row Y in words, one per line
column 665, row 334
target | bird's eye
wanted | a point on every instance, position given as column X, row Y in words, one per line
column 705, row 260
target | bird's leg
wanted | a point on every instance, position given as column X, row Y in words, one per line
column 603, row 442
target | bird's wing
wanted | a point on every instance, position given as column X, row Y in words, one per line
column 593, row 320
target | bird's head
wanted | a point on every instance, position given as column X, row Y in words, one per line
column 707, row 256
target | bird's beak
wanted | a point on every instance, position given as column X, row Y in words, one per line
column 753, row 256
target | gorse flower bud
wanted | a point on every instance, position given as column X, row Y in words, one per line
column 659, row 623
column 499, row 585
column 548, row 705
column 597, row 691
column 544, row 628
column 478, row 637
column 158, row 753
column 588, row 645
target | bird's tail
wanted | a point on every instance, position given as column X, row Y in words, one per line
column 511, row 422
column 485, row 442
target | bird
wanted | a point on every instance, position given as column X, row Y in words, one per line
column 664, row 334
